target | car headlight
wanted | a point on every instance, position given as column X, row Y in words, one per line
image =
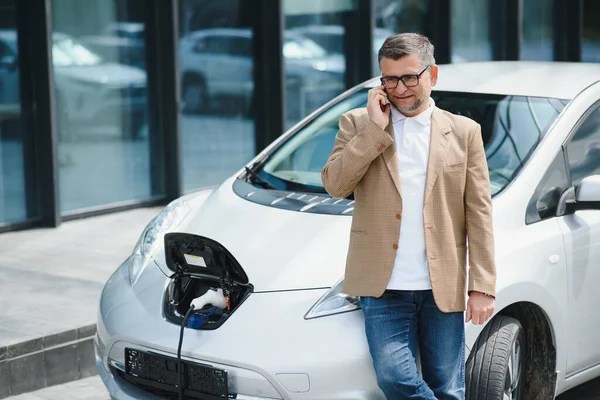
column 334, row 302
column 153, row 235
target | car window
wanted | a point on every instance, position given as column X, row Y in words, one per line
column 213, row 45
column 331, row 43
column 545, row 199
column 512, row 126
column 135, row 35
column 5, row 50
column 241, row 47
column 583, row 149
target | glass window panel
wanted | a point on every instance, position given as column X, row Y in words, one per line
column 470, row 31
column 392, row 17
column 216, row 67
column 537, row 29
column 584, row 148
column 15, row 157
column 313, row 54
column 101, row 103
column 590, row 51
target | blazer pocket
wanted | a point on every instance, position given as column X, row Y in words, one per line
column 457, row 166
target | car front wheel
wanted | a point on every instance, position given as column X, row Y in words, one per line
column 195, row 95
column 495, row 368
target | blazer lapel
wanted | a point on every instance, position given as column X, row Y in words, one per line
column 391, row 157
column 438, row 148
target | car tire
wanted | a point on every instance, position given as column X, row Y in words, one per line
column 495, row 369
column 194, row 95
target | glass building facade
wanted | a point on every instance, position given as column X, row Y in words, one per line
column 107, row 105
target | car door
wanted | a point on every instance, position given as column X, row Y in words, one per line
column 581, row 231
column 206, row 57
column 223, row 67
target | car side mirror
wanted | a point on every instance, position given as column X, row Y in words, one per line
column 587, row 194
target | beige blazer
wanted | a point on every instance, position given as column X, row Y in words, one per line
column 457, row 203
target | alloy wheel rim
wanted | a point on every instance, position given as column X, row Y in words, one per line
column 513, row 374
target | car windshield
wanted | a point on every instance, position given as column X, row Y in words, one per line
column 68, row 52
column 512, row 127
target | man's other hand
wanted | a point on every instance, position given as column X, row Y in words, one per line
column 480, row 308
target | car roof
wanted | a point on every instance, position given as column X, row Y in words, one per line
column 231, row 32
column 127, row 26
column 563, row 80
column 236, row 33
column 335, row 30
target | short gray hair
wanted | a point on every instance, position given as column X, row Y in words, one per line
column 406, row 44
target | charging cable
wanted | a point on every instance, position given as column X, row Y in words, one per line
column 196, row 321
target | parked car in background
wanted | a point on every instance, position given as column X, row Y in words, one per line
column 331, row 38
column 91, row 94
column 218, row 63
column 121, row 42
column 274, row 242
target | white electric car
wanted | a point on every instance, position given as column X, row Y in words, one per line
column 274, row 242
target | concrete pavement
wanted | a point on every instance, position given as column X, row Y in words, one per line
column 51, row 283
column 83, row 389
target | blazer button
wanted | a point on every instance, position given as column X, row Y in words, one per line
column 398, row 215
column 395, row 246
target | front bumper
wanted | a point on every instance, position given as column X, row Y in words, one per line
column 269, row 350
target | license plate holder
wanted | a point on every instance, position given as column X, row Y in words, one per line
column 160, row 372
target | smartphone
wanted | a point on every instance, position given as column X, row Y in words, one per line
column 383, row 106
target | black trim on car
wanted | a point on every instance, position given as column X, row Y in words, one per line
column 316, row 203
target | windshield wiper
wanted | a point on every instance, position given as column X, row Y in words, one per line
column 260, row 180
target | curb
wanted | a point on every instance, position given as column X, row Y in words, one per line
column 47, row 361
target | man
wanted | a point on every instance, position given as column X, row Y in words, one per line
column 420, row 181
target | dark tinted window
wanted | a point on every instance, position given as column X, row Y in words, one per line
column 241, row 47
column 584, row 148
column 544, row 202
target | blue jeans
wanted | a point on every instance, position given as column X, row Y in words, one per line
column 400, row 322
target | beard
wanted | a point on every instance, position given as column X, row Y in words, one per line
column 411, row 108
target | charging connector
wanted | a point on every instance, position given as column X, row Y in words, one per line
column 212, row 296
column 197, row 320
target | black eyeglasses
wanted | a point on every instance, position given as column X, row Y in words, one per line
column 391, row 82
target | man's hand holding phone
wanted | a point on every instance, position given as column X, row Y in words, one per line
column 378, row 107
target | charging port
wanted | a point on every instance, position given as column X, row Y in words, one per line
column 201, row 265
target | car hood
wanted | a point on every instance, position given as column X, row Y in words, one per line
column 105, row 74
column 277, row 249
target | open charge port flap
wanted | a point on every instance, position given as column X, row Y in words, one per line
column 200, row 264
